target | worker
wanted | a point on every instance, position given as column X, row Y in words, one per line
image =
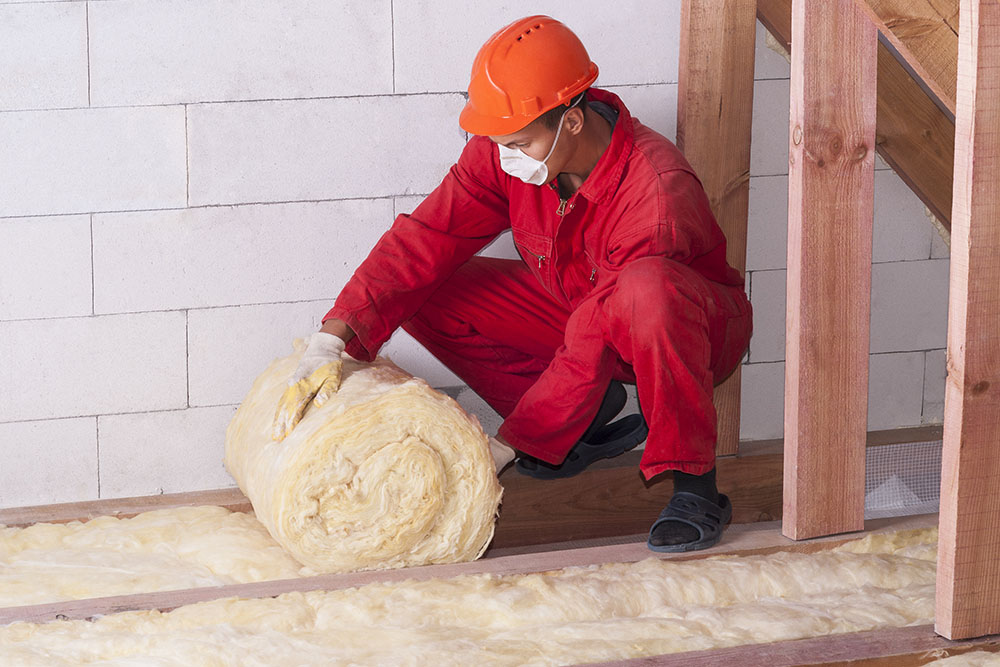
column 623, row 279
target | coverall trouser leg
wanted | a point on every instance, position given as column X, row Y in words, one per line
column 675, row 335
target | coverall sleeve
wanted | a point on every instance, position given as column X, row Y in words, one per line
column 676, row 223
column 421, row 250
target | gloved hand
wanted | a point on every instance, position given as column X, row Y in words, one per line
column 315, row 380
column 502, row 453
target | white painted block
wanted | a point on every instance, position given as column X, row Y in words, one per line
column 222, row 373
column 43, row 55
column 768, row 63
column 164, row 452
column 436, row 42
column 220, row 256
column 768, row 299
column 502, row 247
column 322, row 149
column 935, row 376
column 88, row 160
column 45, row 267
column 769, row 132
column 48, row 462
column 901, row 230
column 195, row 50
column 762, row 401
column 767, row 227
column 909, row 305
column 412, row 357
column 655, row 105
column 895, row 390
column 92, row 365
column 474, row 404
column 406, row 204
column 230, row 347
column 939, row 249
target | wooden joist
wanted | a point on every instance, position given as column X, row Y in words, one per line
column 714, row 112
column 609, row 500
column 830, row 206
column 747, row 539
column 968, row 594
column 893, row 647
column 914, row 135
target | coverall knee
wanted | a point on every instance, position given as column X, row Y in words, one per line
column 674, row 333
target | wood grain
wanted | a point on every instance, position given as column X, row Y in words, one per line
column 913, row 134
column 831, row 201
column 615, row 500
column 968, row 585
column 714, row 113
column 891, row 647
column 920, row 33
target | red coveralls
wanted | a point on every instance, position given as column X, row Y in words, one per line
column 626, row 279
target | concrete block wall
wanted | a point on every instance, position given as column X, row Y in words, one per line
column 188, row 183
column 909, row 281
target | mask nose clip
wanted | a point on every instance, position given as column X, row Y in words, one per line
column 526, row 168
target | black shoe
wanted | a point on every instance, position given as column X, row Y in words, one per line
column 601, row 440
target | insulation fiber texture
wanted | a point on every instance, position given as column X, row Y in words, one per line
column 388, row 473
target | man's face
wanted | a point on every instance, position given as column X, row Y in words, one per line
column 535, row 140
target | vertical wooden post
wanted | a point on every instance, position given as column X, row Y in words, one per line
column 830, row 208
column 968, row 576
column 714, row 111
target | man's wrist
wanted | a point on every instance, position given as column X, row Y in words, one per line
column 338, row 328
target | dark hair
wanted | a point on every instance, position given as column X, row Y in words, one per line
column 550, row 119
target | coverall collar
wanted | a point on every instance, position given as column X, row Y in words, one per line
column 603, row 181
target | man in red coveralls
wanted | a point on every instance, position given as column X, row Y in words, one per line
column 623, row 279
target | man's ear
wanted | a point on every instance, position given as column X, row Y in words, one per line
column 573, row 122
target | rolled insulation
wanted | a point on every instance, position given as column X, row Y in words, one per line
column 388, row 473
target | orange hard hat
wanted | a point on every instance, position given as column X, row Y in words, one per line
column 533, row 65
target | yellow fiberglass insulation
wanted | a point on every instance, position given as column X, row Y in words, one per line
column 570, row 616
column 388, row 473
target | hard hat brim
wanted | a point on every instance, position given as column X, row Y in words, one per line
column 490, row 126
column 474, row 122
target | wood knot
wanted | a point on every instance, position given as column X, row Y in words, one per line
column 860, row 153
column 980, row 387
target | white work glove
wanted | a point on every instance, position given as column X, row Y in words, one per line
column 503, row 454
column 316, row 379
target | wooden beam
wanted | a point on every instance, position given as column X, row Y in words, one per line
column 920, row 34
column 830, row 208
column 714, row 111
column 968, row 593
column 761, row 538
column 892, row 647
column 914, row 135
column 609, row 500
column 612, row 499
column 232, row 499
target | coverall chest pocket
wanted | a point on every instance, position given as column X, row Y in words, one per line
column 536, row 251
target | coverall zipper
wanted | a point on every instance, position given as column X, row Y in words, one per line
column 540, row 258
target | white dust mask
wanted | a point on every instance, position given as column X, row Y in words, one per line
column 528, row 169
